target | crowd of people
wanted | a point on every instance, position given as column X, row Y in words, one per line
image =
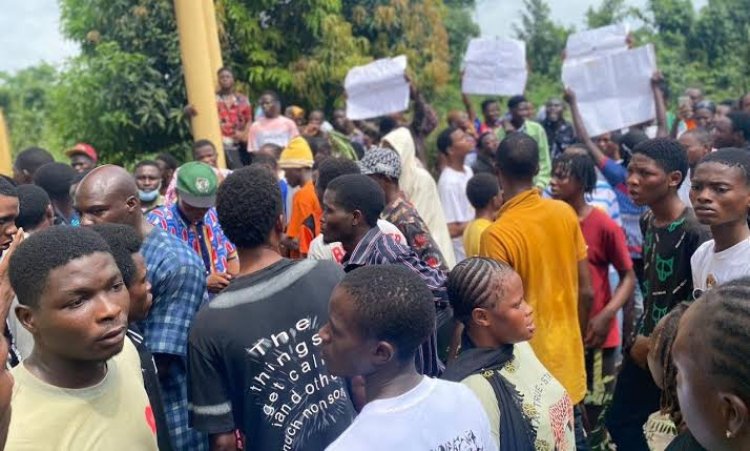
column 546, row 290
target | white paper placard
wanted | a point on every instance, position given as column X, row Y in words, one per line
column 597, row 42
column 614, row 90
column 495, row 66
column 377, row 89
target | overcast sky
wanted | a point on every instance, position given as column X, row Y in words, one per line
column 30, row 29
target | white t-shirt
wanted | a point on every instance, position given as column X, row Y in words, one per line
column 684, row 192
column 435, row 414
column 713, row 268
column 456, row 206
column 335, row 251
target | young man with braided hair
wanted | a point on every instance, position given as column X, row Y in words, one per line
column 497, row 363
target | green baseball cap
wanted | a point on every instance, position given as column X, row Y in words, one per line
column 197, row 184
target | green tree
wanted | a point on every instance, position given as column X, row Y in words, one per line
column 125, row 93
column 461, row 28
column 609, row 12
column 545, row 40
column 25, row 98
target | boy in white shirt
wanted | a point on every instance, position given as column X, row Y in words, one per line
column 455, row 144
column 720, row 194
column 379, row 317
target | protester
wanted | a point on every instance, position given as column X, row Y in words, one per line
column 204, row 151
column 704, row 114
column 421, row 190
column 665, row 428
column 83, row 157
column 671, row 236
column 721, row 197
column 697, row 144
column 178, row 280
column 486, row 150
column 304, row 221
column 34, row 215
column 486, row 198
column 519, row 109
column 255, row 362
column 125, row 245
column 27, row 162
column 725, row 107
column 613, row 166
column 81, row 387
column 542, row 241
column 272, row 127
column 491, row 115
column 352, row 205
column 35, row 211
column 56, row 179
column 424, row 121
column 235, row 116
column 455, row 144
column 379, row 316
column 148, row 179
column 193, row 220
column 6, row 384
column 168, row 165
column 560, row 133
column 328, row 170
column 497, row 363
column 732, row 130
column 573, row 177
column 384, row 167
column 744, row 103
column 344, row 126
column 603, row 196
column 710, row 356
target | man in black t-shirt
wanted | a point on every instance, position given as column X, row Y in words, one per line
column 254, row 351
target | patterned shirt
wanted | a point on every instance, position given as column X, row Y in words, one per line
column 666, row 264
column 206, row 237
column 235, row 113
column 376, row 248
column 403, row 215
column 178, row 282
column 559, row 137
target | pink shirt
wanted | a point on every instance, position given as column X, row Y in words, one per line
column 279, row 130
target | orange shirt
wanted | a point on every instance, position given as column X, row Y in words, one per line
column 542, row 240
column 304, row 223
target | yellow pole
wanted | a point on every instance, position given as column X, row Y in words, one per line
column 5, row 151
column 212, row 35
column 196, row 65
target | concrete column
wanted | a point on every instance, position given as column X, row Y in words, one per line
column 196, row 65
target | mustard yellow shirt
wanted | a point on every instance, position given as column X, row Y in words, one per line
column 542, row 240
column 472, row 235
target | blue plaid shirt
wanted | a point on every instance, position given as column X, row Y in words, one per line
column 178, row 284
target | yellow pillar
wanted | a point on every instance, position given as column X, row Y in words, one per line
column 212, row 35
column 5, row 151
column 196, row 65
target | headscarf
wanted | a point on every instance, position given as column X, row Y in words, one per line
column 516, row 432
column 421, row 190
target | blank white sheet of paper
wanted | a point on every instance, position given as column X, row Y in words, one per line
column 597, row 42
column 377, row 89
column 614, row 90
column 495, row 66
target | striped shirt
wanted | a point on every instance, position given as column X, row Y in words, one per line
column 377, row 248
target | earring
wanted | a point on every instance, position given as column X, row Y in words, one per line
column 730, row 434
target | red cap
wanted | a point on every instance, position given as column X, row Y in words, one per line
column 84, row 149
